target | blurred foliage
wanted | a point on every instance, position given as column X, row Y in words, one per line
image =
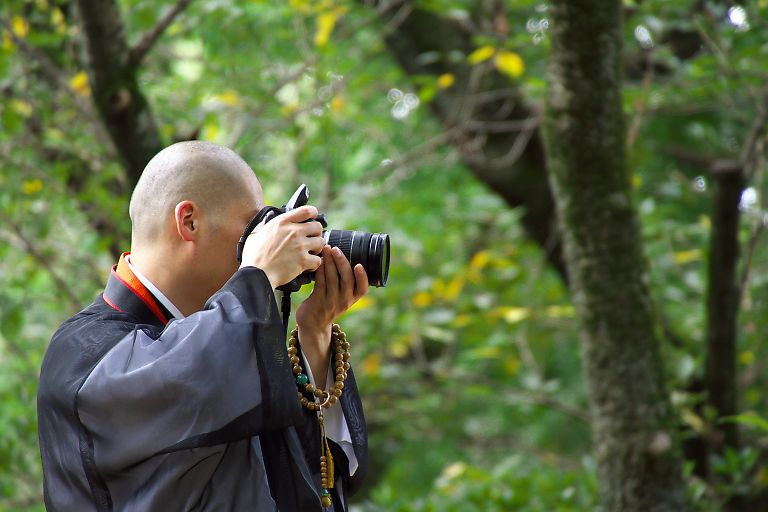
column 468, row 360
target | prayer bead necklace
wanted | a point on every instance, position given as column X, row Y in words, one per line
column 322, row 399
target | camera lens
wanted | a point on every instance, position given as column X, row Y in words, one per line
column 371, row 250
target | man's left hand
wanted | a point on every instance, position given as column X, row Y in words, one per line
column 337, row 288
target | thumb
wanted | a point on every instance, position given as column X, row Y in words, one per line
column 300, row 214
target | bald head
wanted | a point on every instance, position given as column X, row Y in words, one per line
column 211, row 176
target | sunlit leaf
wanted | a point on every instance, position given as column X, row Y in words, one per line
column 445, row 80
column 749, row 419
column 325, row 23
column 20, row 27
column 33, row 186
column 79, row 83
column 509, row 63
column 481, row 54
column 683, row 257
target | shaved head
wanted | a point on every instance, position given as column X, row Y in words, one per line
column 211, row 176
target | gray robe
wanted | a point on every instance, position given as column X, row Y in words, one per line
column 198, row 414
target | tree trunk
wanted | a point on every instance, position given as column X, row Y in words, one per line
column 494, row 130
column 722, row 302
column 632, row 425
column 119, row 100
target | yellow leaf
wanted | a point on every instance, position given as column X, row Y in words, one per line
column 461, row 321
column 479, row 260
column 325, row 23
column 452, row 290
column 79, row 84
column 21, row 107
column 364, row 303
column 371, row 365
column 683, row 257
column 445, row 80
column 514, row 315
column 174, row 28
column 20, row 27
column 694, row 421
column 637, row 180
column 210, row 130
column 57, row 20
column 302, row 6
column 762, row 477
column 560, row 311
column 7, row 41
column 337, row 103
column 509, row 63
column 422, row 299
column 481, row 54
column 31, row 186
column 289, row 108
column 399, row 346
column 747, row 358
column 229, row 98
column 511, row 365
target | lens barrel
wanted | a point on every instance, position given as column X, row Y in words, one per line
column 371, row 250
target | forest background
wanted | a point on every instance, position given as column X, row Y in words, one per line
column 575, row 194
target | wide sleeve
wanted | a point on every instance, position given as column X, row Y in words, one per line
column 216, row 376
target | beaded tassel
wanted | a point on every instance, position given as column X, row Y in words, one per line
column 322, row 399
column 326, row 465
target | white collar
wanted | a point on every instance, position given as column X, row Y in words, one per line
column 160, row 296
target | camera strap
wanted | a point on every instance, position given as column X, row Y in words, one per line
column 263, row 213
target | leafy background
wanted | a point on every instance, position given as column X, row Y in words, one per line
column 468, row 360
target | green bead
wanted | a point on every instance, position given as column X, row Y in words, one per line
column 324, row 493
column 302, row 379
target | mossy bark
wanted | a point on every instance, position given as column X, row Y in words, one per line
column 633, row 431
column 485, row 111
column 115, row 88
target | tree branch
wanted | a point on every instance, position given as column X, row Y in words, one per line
column 722, row 298
column 119, row 100
column 148, row 40
column 44, row 262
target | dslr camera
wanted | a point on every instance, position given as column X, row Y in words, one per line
column 371, row 250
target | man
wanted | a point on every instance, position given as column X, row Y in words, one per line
column 173, row 390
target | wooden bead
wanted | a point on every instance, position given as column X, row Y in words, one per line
column 336, row 392
column 326, row 501
column 296, row 369
column 292, row 351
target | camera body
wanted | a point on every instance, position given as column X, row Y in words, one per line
column 369, row 249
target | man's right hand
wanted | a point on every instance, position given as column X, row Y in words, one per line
column 286, row 246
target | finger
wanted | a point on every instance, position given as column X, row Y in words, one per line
column 315, row 245
column 311, row 229
column 331, row 277
column 320, row 277
column 312, row 262
column 299, row 214
column 345, row 273
column 361, row 281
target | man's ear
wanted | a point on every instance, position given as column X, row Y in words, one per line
column 187, row 217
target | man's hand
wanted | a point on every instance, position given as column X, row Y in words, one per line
column 337, row 287
column 283, row 248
